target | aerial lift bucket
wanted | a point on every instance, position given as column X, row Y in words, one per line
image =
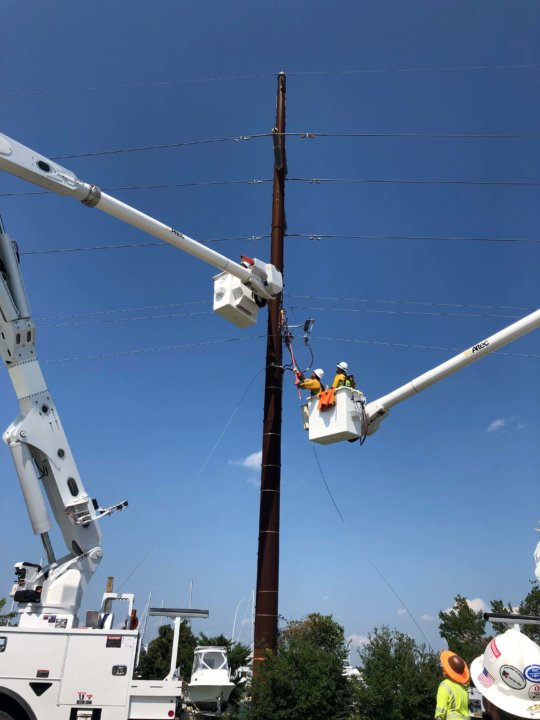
column 344, row 420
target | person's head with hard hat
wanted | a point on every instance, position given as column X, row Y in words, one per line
column 454, row 667
column 508, row 677
column 452, row 695
column 314, row 383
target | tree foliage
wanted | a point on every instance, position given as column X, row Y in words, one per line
column 399, row 678
column 5, row 618
column 463, row 629
column 304, row 680
column 155, row 662
column 531, row 606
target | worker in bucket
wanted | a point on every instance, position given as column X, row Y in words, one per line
column 508, row 677
column 313, row 383
column 342, row 378
column 452, row 695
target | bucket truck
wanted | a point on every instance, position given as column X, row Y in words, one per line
column 52, row 668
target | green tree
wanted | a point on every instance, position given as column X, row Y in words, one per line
column 304, row 679
column 463, row 629
column 531, row 606
column 399, row 678
column 498, row 606
column 5, row 618
column 155, row 663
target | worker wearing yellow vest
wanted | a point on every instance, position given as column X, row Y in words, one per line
column 452, row 695
column 313, row 383
column 342, row 378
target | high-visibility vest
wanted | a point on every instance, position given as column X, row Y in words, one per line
column 452, row 701
column 311, row 384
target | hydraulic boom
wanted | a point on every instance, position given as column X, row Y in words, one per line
column 40, row 450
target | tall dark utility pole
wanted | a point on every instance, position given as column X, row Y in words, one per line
column 266, row 607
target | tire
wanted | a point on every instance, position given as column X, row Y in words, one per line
column 5, row 716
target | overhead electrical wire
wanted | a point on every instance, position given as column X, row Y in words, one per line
column 169, row 316
column 416, row 346
column 159, row 348
column 367, row 555
column 308, row 181
column 429, row 303
column 156, row 186
column 401, row 312
column 238, row 139
column 245, row 338
column 410, row 181
column 125, row 246
column 442, row 238
column 181, row 506
column 306, row 236
column 259, row 76
column 139, row 308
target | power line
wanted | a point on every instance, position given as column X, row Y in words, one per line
column 160, row 348
column 126, row 246
column 409, row 181
column 259, row 76
column 301, row 136
column 366, row 554
column 442, row 238
column 309, row 181
column 157, row 186
column 527, row 308
column 189, row 346
column 402, row 312
column 417, row 347
column 170, row 306
column 305, row 236
column 162, row 146
column 181, row 505
column 164, row 316
column 121, row 310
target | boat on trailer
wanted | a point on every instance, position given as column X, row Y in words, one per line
column 210, row 686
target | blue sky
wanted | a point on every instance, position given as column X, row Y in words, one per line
column 443, row 498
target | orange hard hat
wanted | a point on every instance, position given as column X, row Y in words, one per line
column 455, row 667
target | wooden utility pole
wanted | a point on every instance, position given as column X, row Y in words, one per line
column 266, row 607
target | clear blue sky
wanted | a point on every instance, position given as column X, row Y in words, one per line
column 444, row 497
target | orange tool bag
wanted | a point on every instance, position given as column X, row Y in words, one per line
column 327, row 399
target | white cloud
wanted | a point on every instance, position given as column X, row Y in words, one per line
column 476, row 604
column 427, row 618
column 401, row 611
column 496, row 425
column 356, row 641
column 512, row 422
column 251, row 462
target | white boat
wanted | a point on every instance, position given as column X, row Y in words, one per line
column 210, row 686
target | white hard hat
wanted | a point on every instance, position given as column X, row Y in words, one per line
column 508, row 674
column 319, row 373
column 343, row 366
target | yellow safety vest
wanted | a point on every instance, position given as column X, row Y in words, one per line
column 452, row 701
column 311, row 384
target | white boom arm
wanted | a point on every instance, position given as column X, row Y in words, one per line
column 43, row 460
column 377, row 410
column 263, row 279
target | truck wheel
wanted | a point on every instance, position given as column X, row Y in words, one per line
column 5, row 716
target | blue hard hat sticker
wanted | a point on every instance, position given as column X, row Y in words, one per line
column 532, row 673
